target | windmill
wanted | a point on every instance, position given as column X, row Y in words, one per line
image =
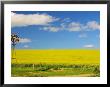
column 14, row 39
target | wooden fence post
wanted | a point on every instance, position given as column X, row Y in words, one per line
column 33, row 66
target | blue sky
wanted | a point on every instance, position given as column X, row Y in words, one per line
column 56, row 29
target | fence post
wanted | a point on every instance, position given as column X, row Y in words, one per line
column 33, row 66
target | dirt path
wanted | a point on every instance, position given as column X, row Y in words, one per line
column 81, row 75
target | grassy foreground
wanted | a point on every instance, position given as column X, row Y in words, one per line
column 44, row 63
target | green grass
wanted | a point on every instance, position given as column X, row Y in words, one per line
column 42, row 70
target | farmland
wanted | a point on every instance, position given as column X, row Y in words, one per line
column 50, row 63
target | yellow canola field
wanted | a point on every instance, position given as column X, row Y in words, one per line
column 74, row 56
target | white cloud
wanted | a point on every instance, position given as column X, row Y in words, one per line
column 26, row 46
column 31, row 19
column 82, row 36
column 24, row 40
column 92, row 25
column 51, row 29
column 66, row 20
column 74, row 26
column 45, row 19
column 63, row 25
column 89, row 46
